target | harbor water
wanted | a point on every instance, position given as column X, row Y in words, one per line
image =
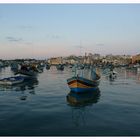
column 41, row 107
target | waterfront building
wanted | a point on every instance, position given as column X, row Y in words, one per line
column 136, row 58
column 55, row 61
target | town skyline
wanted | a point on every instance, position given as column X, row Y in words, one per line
column 49, row 30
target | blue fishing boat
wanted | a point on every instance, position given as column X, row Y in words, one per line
column 12, row 80
column 81, row 84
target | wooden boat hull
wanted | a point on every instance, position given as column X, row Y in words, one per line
column 79, row 90
column 79, row 84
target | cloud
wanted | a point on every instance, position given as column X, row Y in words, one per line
column 13, row 39
column 18, row 40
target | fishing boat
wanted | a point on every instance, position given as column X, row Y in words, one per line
column 28, row 71
column 1, row 64
column 81, row 84
column 14, row 66
column 47, row 66
column 39, row 68
column 113, row 75
column 110, row 74
column 12, row 80
column 60, row 67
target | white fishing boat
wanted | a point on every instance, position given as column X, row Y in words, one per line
column 12, row 80
column 111, row 74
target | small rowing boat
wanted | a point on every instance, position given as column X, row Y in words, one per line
column 12, row 80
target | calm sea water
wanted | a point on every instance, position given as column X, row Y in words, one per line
column 41, row 107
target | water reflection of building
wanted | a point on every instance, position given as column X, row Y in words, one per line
column 132, row 74
column 79, row 104
column 138, row 77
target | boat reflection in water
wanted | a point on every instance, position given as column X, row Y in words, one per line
column 83, row 99
column 25, row 88
column 80, row 104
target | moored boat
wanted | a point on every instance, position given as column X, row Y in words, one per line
column 60, row 67
column 14, row 66
column 12, row 80
column 81, row 84
column 112, row 75
column 28, row 71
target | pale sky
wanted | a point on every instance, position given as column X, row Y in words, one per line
column 49, row 30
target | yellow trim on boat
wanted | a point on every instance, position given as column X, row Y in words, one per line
column 79, row 85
